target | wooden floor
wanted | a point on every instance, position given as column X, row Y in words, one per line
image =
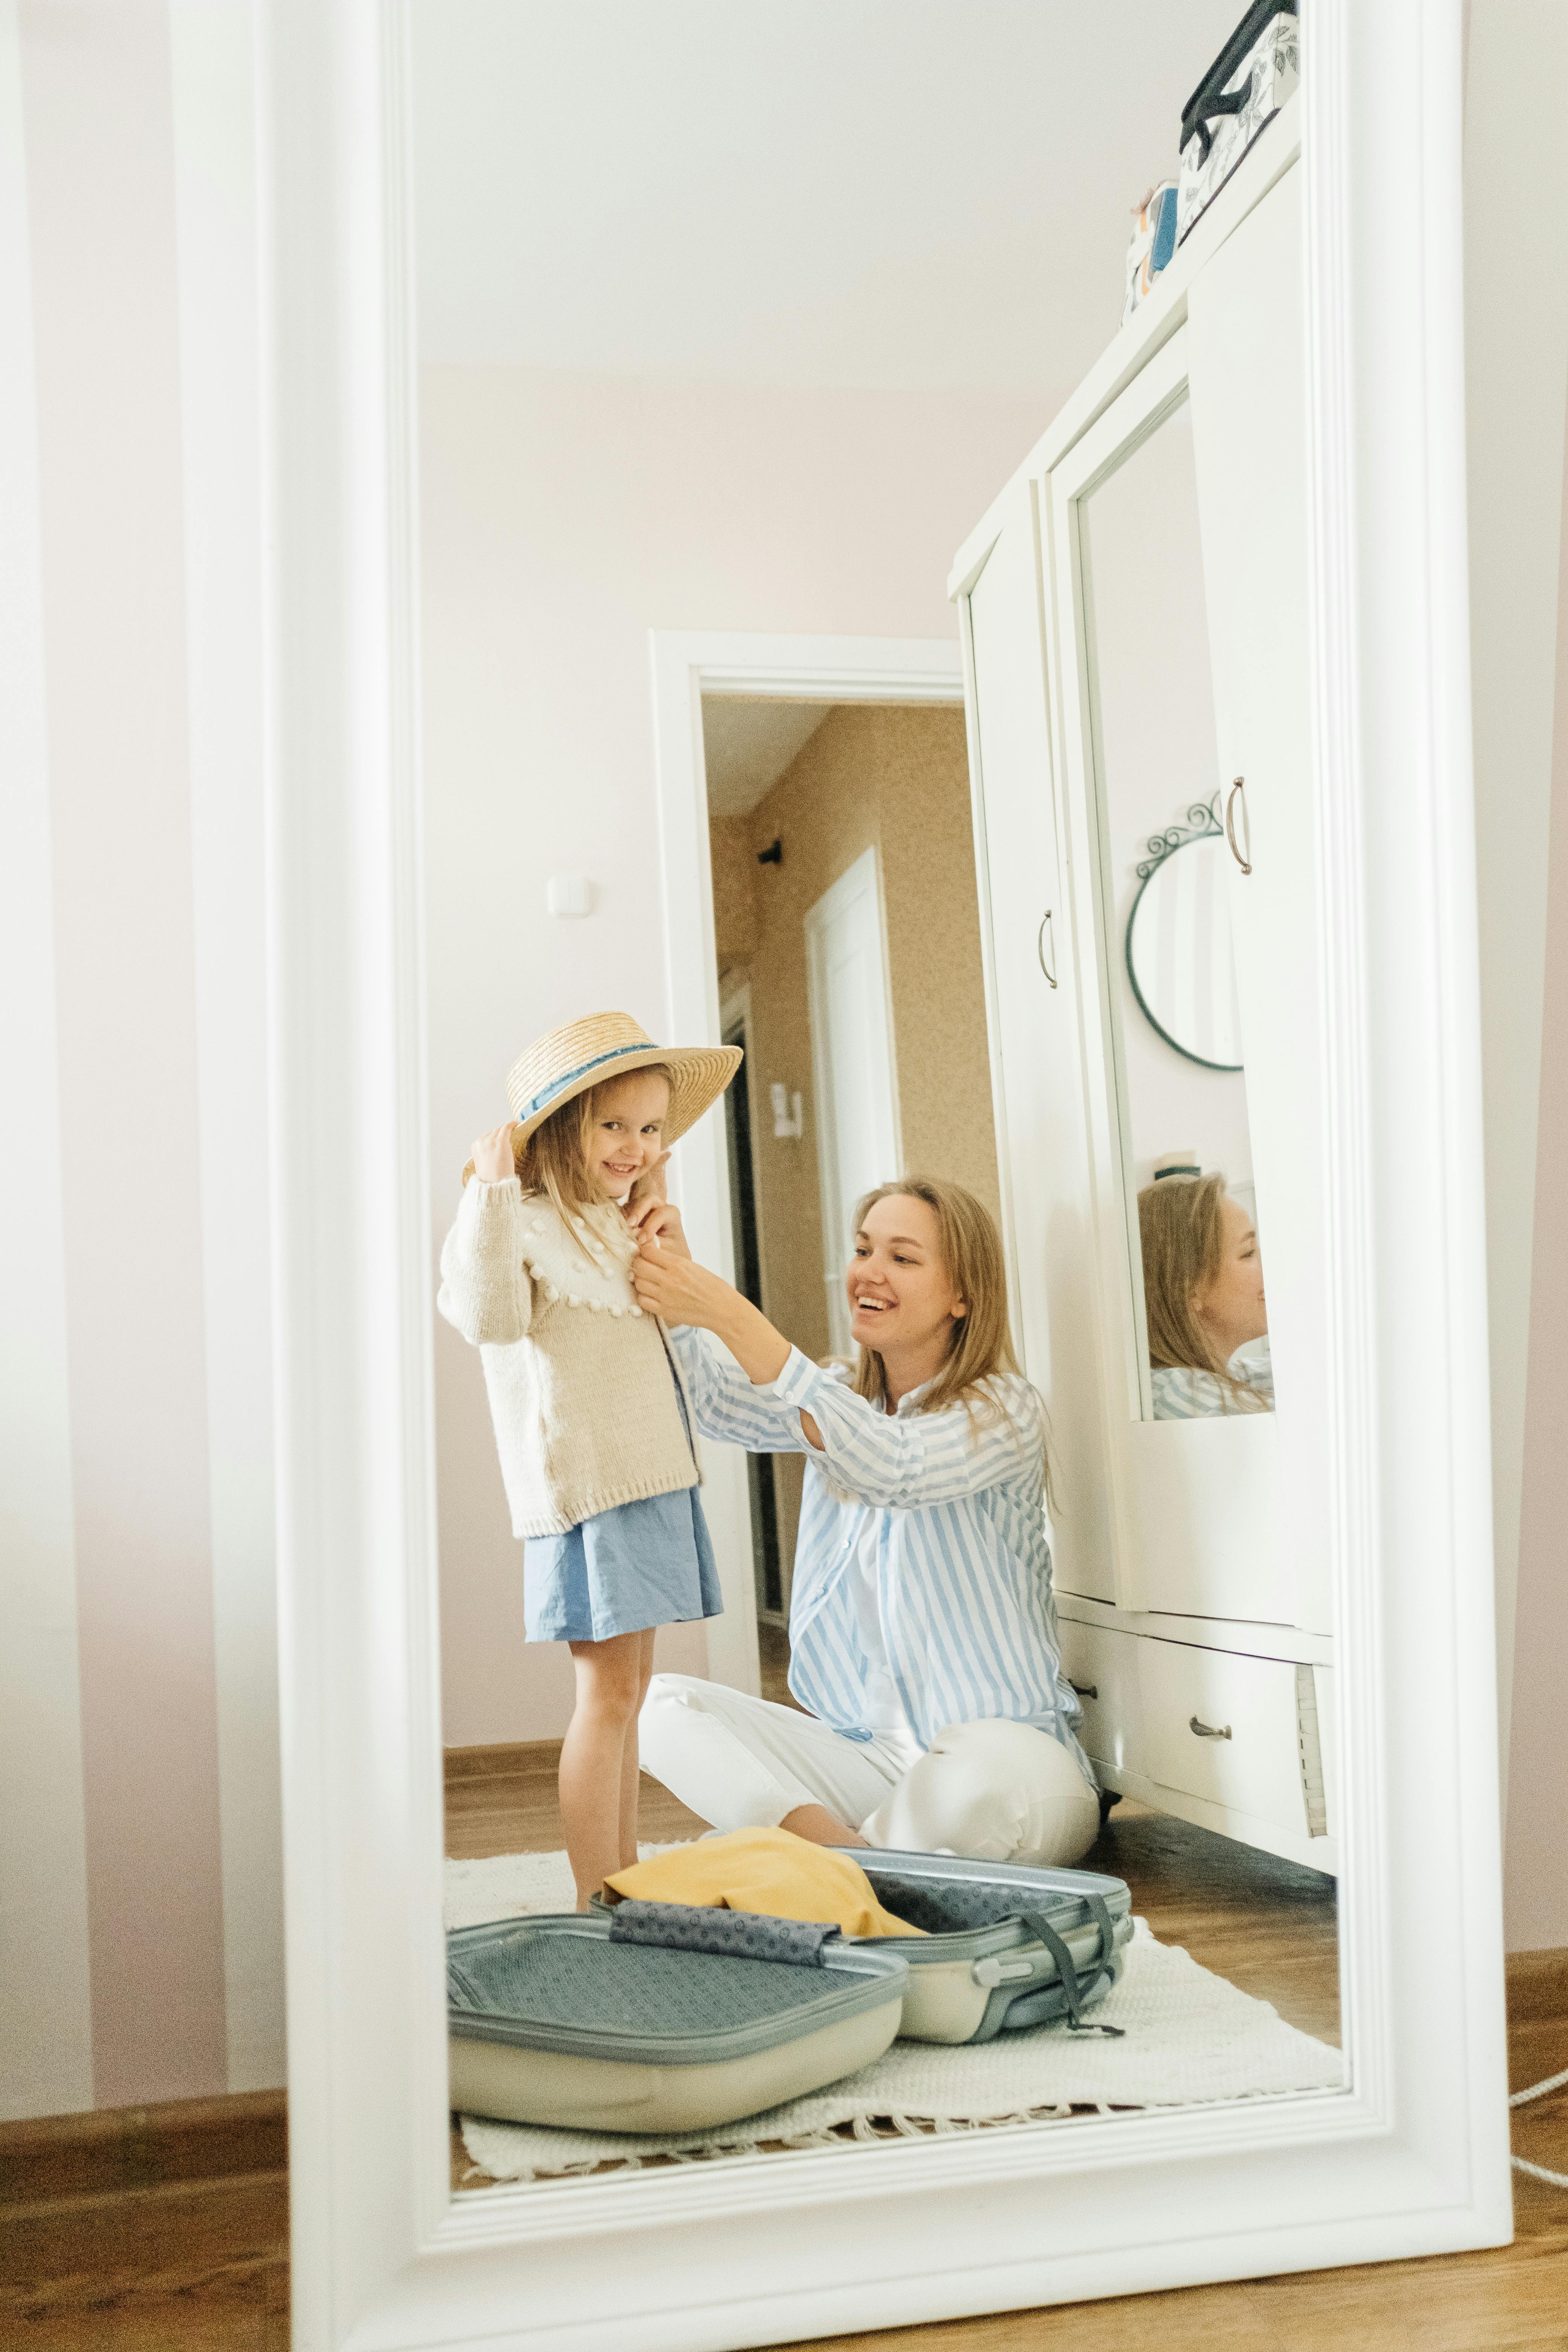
column 152, row 2231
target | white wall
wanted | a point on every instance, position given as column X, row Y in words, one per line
column 1516, row 328
column 1536, row 1853
column 562, row 519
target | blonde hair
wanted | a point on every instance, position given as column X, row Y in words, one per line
column 553, row 1159
column 1181, row 1227
column 971, row 1251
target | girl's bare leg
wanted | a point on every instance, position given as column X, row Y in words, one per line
column 611, row 1680
column 630, row 1785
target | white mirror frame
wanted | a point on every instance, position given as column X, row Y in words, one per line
column 1413, row 2159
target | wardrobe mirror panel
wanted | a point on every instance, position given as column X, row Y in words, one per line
column 1167, row 873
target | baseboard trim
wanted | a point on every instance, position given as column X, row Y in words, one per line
column 111, row 2150
column 1538, row 1986
column 512, row 1760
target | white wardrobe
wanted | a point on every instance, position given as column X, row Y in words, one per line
column 1134, row 607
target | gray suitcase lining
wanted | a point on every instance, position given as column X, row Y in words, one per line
column 565, row 1984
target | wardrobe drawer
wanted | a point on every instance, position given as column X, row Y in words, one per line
column 1102, row 1667
column 1225, row 1727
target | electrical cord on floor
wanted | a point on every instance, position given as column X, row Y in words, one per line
column 1518, row 2099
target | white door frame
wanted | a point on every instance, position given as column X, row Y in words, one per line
column 735, row 1009
column 687, row 665
column 829, row 1165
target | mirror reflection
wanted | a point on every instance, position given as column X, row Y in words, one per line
column 1181, row 1083
column 786, row 1759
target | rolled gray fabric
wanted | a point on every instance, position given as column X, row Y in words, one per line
column 743, row 1935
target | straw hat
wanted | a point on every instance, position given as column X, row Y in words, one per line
column 567, row 1062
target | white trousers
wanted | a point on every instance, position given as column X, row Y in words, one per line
column 990, row 1792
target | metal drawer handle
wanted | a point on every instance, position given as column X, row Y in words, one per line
column 1206, row 1731
column 1238, row 787
column 1046, row 925
column 1083, row 1690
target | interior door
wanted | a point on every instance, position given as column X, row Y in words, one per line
column 852, row 1057
column 1247, row 373
column 1036, row 1078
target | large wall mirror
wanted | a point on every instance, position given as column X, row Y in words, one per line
column 1076, row 896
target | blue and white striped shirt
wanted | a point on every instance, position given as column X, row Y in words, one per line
column 963, row 1570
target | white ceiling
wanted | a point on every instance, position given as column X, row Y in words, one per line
column 886, row 194
column 747, row 745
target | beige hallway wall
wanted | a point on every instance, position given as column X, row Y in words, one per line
column 896, row 779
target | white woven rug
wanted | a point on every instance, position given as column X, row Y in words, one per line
column 1189, row 2037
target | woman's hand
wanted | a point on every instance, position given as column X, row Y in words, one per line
column 677, row 1290
column 670, row 1284
column 492, row 1155
column 651, row 1185
column 658, row 1222
column 652, row 1214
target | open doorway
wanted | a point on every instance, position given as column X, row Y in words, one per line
column 846, row 945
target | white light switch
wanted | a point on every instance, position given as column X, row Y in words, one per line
column 789, row 1124
column 569, row 894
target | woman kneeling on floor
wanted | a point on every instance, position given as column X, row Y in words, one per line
column 922, row 1631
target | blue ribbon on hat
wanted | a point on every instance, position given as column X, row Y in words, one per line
column 558, row 1085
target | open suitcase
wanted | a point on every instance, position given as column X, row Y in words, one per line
column 660, row 2017
column 1004, row 1946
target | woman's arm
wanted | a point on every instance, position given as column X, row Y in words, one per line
column 899, row 1463
column 726, row 1405
column 904, row 1462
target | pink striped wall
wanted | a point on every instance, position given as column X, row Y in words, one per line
column 97, row 92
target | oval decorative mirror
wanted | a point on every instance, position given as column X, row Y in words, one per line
column 1180, row 957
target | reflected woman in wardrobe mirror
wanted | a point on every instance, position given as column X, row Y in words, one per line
column 1202, row 1298
column 923, row 1630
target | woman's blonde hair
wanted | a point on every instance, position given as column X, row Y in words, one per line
column 1181, row 1226
column 554, row 1159
column 971, row 1251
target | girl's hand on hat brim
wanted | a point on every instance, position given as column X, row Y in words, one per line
column 492, row 1155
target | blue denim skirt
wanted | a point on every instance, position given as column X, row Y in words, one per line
column 647, row 1564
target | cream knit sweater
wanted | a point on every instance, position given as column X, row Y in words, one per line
column 582, row 1383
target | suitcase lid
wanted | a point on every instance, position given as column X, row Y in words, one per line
column 582, row 1986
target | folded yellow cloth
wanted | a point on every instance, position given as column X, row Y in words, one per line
column 768, row 1871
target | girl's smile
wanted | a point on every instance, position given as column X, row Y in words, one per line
column 628, row 1134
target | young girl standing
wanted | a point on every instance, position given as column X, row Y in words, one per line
column 590, row 1420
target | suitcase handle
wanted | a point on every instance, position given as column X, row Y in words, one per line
column 1077, row 1995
